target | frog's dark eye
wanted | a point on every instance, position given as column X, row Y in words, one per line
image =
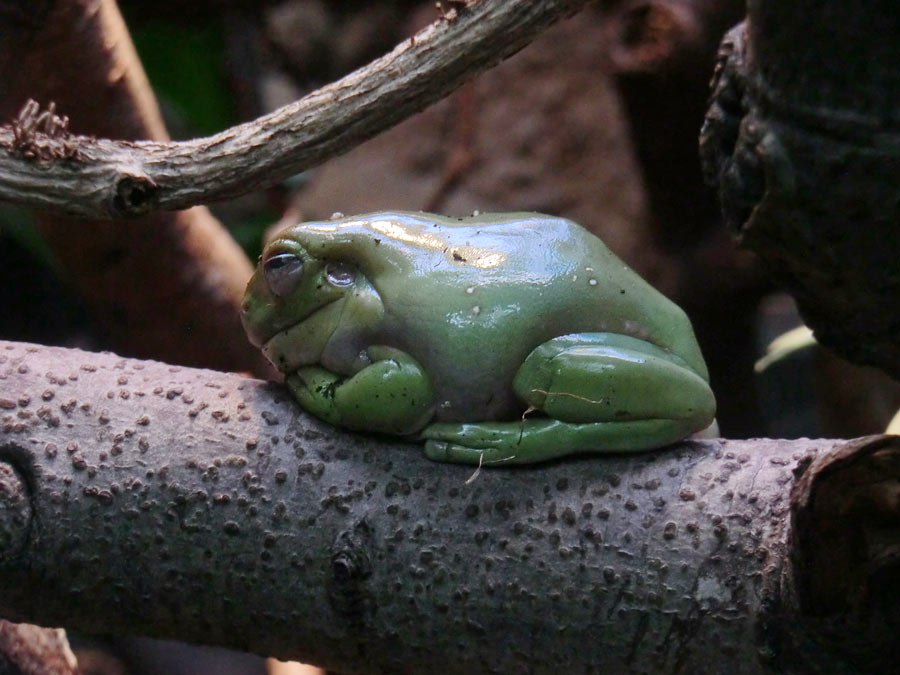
column 283, row 272
column 340, row 274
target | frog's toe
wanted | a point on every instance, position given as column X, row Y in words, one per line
column 479, row 443
column 712, row 431
column 438, row 451
column 490, row 434
column 443, row 451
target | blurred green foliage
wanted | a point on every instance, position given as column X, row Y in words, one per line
column 184, row 63
column 17, row 225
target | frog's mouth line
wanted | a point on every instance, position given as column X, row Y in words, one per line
column 302, row 343
column 284, row 329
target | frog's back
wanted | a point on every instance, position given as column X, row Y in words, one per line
column 478, row 294
column 422, row 243
column 510, row 268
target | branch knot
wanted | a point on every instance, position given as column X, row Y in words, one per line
column 134, row 195
column 15, row 510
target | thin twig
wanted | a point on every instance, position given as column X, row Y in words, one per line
column 119, row 179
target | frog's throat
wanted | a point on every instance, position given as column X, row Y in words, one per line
column 304, row 343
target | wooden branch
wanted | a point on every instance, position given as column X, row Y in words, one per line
column 102, row 178
column 136, row 497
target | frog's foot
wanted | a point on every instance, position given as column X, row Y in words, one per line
column 598, row 392
column 392, row 395
column 610, row 377
column 542, row 439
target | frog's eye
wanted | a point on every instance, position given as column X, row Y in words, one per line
column 283, row 272
column 340, row 274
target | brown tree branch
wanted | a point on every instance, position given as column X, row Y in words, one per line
column 136, row 497
column 662, row 53
column 183, row 266
column 115, row 179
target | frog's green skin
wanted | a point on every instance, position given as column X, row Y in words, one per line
column 498, row 338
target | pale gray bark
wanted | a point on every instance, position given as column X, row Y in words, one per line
column 102, row 178
column 137, row 497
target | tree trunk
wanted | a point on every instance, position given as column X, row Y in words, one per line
column 137, row 497
column 802, row 139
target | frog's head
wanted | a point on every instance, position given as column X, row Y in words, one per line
column 301, row 309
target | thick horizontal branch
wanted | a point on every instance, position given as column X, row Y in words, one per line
column 103, row 178
column 137, row 497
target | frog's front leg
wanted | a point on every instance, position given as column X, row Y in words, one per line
column 600, row 392
column 392, row 395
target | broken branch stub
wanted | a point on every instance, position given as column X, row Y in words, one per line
column 845, row 555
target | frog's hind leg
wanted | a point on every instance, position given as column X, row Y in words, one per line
column 598, row 392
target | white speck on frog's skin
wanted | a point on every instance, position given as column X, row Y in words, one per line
column 470, row 290
column 592, row 282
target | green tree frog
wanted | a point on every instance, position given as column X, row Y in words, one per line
column 500, row 338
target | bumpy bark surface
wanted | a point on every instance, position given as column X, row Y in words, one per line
column 802, row 139
column 138, row 497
